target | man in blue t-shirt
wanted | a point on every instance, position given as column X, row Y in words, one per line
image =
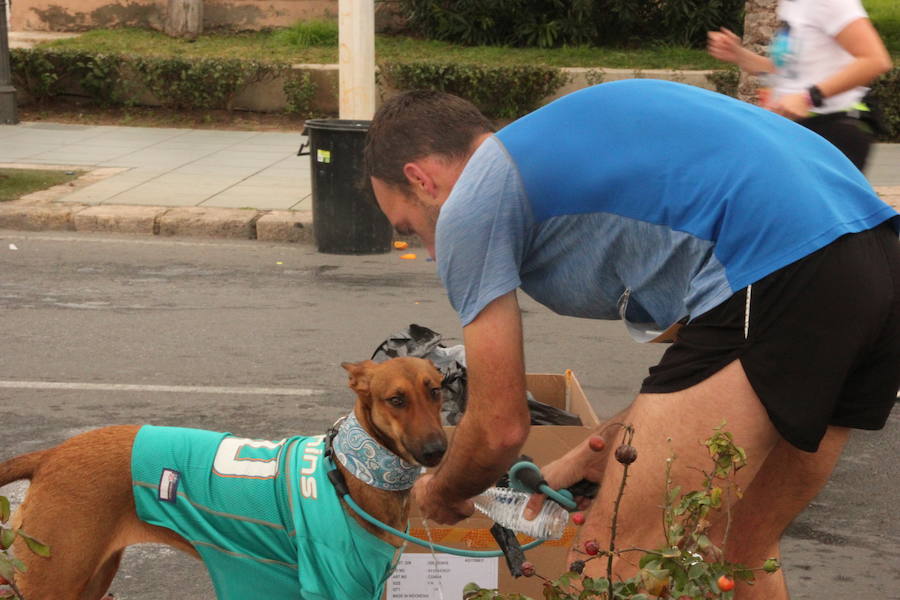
column 746, row 240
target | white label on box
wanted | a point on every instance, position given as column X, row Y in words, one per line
column 416, row 577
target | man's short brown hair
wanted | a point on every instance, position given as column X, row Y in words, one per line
column 416, row 124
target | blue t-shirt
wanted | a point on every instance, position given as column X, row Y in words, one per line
column 645, row 200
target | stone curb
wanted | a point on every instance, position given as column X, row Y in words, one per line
column 35, row 214
column 227, row 223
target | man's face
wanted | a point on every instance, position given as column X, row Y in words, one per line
column 408, row 213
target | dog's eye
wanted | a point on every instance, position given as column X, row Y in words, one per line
column 396, row 401
column 436, row 393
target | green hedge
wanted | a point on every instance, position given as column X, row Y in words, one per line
column 555, row 23
column 499, row 92
column 885, row 96
column 203, row 83
column 176, row 83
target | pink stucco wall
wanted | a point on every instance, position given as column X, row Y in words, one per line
column 81, row 15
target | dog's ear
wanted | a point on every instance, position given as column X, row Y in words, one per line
column 359, row 375
column 440, row 373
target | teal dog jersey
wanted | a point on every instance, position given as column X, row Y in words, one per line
column 262, row 514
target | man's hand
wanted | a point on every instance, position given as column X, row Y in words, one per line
column 584, row 461
column 434, row 508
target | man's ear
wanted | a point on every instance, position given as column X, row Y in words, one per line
column 419, row 178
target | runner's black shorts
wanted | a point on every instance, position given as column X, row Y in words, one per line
column 822, row 345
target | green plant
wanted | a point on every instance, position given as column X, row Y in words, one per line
column 43, row 74
column 309, row 34
column 726, row 81
column 198, row 83
column 499, row 92
column 10, row 565
column 687, row 566
column 100, row 77
column 180, row 83
column 555, row 23
column 34, row 72
column 299, row 91
column 885, row 98
column 595, row 76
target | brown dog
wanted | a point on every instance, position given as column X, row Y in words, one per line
column 84, row 497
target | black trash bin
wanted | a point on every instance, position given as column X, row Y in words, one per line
column 346, row 218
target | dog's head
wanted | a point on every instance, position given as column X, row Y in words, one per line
column 399, row 404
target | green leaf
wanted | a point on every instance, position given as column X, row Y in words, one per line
column 649, row 560
column 4, row 509
column 673, row 494
column 698, row 570
column 671, row 553
column 7, row 537
column 35, row 546
column 7, row 569
column 598, row 584
column 471, row 588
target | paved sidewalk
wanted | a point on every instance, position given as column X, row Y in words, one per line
column 170, row 167
column 242, row 184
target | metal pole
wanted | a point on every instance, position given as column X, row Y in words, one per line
column 9, row 114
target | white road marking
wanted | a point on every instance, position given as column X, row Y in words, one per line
column 178, row 389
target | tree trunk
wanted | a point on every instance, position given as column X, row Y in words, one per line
column 760, row 22
column 184, row 18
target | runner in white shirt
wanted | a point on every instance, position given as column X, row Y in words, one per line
column 821, row 58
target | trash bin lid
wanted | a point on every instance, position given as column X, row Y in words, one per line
column 337, row 125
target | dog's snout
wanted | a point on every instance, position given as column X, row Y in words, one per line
column 433, row 451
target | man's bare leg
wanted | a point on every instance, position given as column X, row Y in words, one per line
column 782, row 489
column 686, row 418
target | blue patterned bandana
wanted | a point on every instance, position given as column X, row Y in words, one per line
column 369, row 461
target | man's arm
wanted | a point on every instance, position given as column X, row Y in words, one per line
column 496, row 422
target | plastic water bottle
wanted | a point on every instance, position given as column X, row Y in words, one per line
column 505, row 506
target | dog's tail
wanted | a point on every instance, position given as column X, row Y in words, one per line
column 20, row 467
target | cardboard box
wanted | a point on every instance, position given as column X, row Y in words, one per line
column 417, row 576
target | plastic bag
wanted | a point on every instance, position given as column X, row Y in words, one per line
column 422, row 342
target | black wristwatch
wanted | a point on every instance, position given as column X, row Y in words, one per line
column 815, row 95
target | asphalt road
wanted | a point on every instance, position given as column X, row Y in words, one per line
column 248, row 337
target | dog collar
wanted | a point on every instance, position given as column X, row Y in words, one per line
column 369, row 461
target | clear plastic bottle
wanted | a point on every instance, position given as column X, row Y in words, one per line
column 505, row 506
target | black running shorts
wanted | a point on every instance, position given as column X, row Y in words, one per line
column 822, row 345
